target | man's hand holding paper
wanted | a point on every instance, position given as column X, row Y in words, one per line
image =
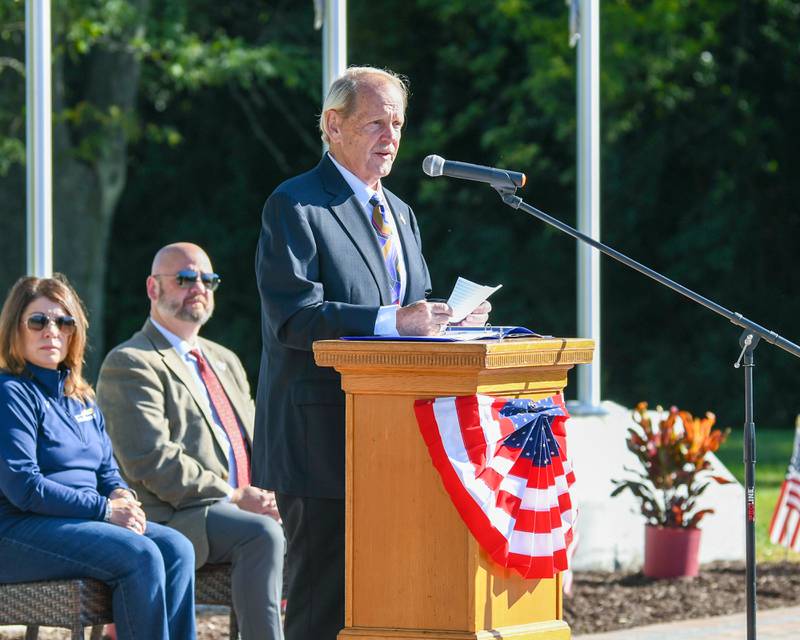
column 469, row 303
column 466, row 307
column 423, row 318
column 478, row 317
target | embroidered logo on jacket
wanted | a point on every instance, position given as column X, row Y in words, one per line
column 85, row 415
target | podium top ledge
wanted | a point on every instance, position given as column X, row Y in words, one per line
column 476, row 354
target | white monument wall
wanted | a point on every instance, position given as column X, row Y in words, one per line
column 611, row 530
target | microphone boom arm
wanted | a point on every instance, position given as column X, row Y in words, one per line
column 748, row 340
column 515, row 202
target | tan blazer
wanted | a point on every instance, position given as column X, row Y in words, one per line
column 161, row 428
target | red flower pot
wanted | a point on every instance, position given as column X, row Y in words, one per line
column 671, row 552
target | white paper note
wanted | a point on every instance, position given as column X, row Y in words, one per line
column 466, row 296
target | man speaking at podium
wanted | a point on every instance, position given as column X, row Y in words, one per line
column 338, row 255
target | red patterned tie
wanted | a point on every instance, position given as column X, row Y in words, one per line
column 227, row 417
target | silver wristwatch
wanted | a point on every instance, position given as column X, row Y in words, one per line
column 109, row 511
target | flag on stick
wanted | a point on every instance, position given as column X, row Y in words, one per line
column 784, row 529
column 507, row 474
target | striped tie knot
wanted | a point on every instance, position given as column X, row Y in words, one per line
column 379, row 220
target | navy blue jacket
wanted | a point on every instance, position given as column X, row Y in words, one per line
column 55, row 455
column 321, row 275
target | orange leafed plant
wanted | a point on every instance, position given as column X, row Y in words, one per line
column 675, row 471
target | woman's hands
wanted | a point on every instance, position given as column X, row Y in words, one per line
column 126, row 511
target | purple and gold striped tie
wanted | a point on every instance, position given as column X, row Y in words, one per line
column 388, row 242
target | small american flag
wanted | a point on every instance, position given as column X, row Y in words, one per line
column 784, row 529
column 507, row 474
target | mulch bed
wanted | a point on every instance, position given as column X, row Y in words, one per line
column 604, row 601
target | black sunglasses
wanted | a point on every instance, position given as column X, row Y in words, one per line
column 188, row 277
column 38, row 321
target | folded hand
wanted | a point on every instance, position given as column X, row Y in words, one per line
column 126, row 512
column 256, row 500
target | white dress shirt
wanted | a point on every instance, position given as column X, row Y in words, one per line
column 386, row 321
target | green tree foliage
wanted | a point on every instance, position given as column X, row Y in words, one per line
column 493, row 83
column 116, row 63
column 697, row 117
column 698, row 168
column 698, row 182
column 237, row 142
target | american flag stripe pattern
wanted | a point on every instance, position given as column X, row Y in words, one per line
column 784, row 528
column 503, row 463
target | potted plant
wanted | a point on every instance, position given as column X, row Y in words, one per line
column 674, row 474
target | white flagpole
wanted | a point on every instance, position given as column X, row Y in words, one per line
column 588, row 43
column 334, row 42
column 39, row 138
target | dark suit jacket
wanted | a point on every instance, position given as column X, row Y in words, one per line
column 161, row 428
column 321, row 276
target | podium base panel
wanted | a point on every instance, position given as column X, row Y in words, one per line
column 550, row 630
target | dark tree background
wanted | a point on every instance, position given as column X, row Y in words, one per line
column 699, row 130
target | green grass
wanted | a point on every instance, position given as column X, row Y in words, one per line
column 773, row 451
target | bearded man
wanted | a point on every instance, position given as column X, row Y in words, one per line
column 180, row 415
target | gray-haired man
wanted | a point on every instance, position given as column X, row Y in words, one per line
column 338, row 254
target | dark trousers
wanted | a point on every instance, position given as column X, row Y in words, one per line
column 315, row 535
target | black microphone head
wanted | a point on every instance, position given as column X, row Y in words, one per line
column 433, row 166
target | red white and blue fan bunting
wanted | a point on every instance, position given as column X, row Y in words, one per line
column 502, row 463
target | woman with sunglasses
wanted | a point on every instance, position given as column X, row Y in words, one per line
column 65, row 512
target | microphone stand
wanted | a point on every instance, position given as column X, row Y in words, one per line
column 748, row 340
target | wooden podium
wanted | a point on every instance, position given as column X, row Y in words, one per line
column 413, row 570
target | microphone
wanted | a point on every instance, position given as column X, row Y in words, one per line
column 436, row 166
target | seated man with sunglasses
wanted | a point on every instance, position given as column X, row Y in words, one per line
column 180, row 415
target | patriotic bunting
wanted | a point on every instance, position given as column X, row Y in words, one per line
column 507, row 474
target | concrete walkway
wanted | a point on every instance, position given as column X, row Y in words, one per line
column 771, row 624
